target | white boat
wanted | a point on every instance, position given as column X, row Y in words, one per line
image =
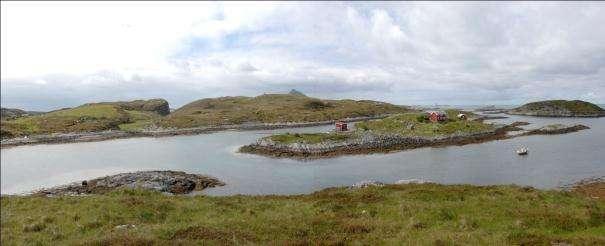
column 522, row 151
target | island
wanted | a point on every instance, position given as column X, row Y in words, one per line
column 292, row 108
column 559, row 108
column 152, row 118
column 91, row 117
column 394, row 133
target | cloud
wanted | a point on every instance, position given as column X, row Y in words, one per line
column 407, row 53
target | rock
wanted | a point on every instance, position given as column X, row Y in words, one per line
column 122, row 227
column 556, row 129
column 367, row 183
column 173, row 182
column 159, row 106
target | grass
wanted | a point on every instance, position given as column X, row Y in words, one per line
column 408, row 124
column 411, row 125
column 415, row 214
column 575, row 106
column 272, row 108
column 85, row 118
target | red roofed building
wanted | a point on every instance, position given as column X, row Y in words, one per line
column 341, row 126
column 437, row 116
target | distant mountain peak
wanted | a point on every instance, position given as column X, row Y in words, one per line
column 296, row 93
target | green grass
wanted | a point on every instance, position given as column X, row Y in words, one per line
column 272, row 108
column 575, row 106
column 309, row 137
column 85, row 118
column 410, row 125
column 427, row 214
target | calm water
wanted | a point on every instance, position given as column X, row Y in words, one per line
column 553, row 161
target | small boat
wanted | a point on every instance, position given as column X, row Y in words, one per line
column 522, row 151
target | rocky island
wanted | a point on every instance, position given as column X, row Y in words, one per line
column 397, row 132
column 173, row 182
column 559, row 108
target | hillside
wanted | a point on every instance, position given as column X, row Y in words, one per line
column 13, row 113
column 559, row 108
column 89, row 117
column 272, row 108
column 412, row 214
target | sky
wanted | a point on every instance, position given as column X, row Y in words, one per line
column 63, row 54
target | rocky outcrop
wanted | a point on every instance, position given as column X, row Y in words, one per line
column 559, row 108
column 556, row 129
column 366, row 142
column 12, row 113
column 159, row 106
column 164, row 181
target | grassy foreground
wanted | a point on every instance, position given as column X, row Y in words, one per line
column 417, row 214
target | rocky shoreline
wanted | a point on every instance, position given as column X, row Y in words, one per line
column 366, row 144
column 173, row 182
column 376, row 143
column 555, row 115
column 59, row 138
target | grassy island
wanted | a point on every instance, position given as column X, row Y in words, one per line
column 560, row 108
column 407, row 124
column 413, row 214
column 92, row 117
column 273, row 108
column 287, row 110
column 396, row 132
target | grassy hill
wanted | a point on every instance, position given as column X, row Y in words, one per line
column 414, row 214
column 13, row 113
column 560, row 108
column 272, row 108
column 88, row 118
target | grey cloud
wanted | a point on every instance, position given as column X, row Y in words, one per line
column 410, row 53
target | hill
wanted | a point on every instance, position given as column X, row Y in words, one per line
column 13, row 113
column 89, row 117
column 559, row 108
column 272, row 108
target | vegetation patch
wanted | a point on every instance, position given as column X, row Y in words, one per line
column 415, row 214
column 273, row 108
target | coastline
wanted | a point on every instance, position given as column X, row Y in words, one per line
column 554, row 116
column 61, row 138
column 391, row 143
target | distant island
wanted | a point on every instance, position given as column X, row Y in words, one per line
column 273, row 108
column 559, row 108
column 107, row 120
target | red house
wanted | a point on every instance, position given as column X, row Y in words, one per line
column 437, row 116
column 341, row 126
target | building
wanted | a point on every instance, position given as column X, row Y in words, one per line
column 341, row 126
column 437, row 116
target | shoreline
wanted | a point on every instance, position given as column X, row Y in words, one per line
column 61, row 138
column 388, row 144
column 555, row 116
